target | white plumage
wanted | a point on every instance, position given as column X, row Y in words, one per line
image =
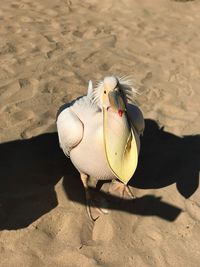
column 80, row 131
column 80, row 127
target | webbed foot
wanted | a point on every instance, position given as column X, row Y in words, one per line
column 95, row 205
column 120, row 190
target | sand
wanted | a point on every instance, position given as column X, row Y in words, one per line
column 49, row 50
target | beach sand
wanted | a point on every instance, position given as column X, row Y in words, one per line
column 49, row 50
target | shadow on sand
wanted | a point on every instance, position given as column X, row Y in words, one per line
column 30, row 169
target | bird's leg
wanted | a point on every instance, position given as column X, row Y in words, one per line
column 121, row 190
column 93, row 211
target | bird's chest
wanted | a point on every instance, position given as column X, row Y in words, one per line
column 89, row 156
column 93, row 133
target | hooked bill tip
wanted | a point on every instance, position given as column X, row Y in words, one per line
column 120, row 112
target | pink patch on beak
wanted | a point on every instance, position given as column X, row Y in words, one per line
column 120, row 112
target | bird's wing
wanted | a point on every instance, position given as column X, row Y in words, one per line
column 136, row 118
column 70, row 130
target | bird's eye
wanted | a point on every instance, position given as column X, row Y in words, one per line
column 104, row 92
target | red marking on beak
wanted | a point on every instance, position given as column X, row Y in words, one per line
column 120, row 112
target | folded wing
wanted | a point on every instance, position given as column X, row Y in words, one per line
column 136, row 118
column 70, row 130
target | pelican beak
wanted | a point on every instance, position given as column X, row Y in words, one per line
column 116, row 102
column 119, row 139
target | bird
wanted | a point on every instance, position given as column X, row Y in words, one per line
column 100, row 133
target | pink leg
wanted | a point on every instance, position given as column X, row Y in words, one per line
column 93, row 211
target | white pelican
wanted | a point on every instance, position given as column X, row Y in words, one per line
column 100, row 133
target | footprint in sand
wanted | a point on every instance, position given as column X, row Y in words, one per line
column 103, row 229
column 193, row 209
column 99, row 231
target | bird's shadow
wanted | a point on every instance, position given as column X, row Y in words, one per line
column 166, row 159
column 30, row 169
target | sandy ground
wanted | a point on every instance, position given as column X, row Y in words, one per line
column 48, row 52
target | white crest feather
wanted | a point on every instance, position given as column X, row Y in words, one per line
column 96, row 94
column 127, row 86
column 90, row 88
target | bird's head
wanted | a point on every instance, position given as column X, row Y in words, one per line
column 113, row 93
column 111, row 96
